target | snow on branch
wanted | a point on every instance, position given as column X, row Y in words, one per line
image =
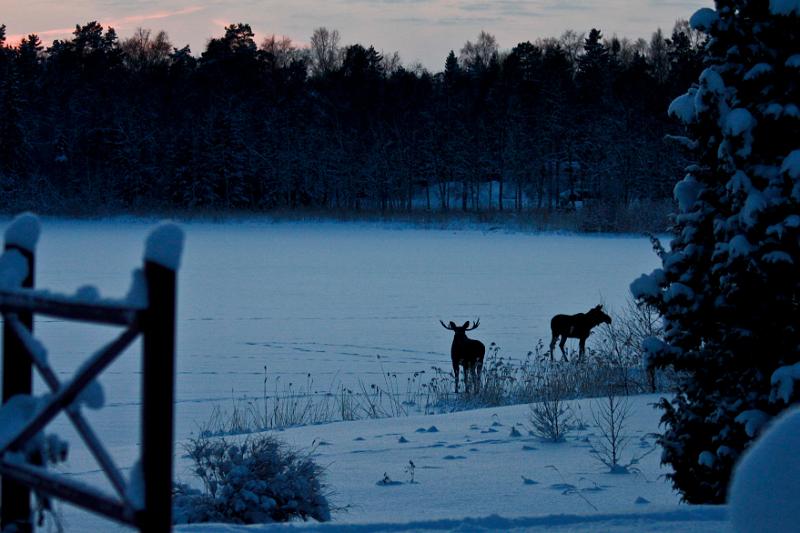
column 784, row 7
column 782, row 382
column 703, row 19
column 753, row 420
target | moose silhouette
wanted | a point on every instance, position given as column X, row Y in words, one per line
column 466, row 353
column 576, row 327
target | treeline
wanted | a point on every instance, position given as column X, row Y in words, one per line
column 96, row 123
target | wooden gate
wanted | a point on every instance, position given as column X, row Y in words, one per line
column 147, row 502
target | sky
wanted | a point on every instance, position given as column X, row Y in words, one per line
column 421, row 31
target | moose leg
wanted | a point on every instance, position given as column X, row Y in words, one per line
column 455, row 374
column 473, row 376
column 561, row 345
column 478, row 369
column 581, row 348
column 467, row 378
column 553, row 345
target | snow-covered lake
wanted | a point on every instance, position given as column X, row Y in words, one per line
column 341, row 302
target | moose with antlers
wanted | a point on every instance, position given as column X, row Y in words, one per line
column 576, row 327
column 466, row 353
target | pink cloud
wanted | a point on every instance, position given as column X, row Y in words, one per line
column 155, row 16
column 120, row 23
column 14, row 39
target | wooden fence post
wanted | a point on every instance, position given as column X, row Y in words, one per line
column 158, row 395
column 15, row 503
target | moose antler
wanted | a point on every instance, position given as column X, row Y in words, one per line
column 445, row 326
column 475, row 324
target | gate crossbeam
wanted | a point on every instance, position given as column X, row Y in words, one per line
column 44, row 481
column 73, row 411
column 67, row 394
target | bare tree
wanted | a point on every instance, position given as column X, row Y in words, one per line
column 659, row 56
column 610, row 416
column 572, row 42
column 696, row 37
column 391, row 63
column 141, row 50
column 281, row 48
column 478, row 55
column 325, row 51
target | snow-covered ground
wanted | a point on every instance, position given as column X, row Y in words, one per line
column 349, row 302
column 470, row 464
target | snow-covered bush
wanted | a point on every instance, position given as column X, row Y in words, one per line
column 729, row 285
column 256, row 480
column 765, row 491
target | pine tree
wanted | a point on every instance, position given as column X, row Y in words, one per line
column 15, row 149
column 593, row 67
column 729, row 288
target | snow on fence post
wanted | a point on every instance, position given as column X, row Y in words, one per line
column 162, row 257
column 15, row 503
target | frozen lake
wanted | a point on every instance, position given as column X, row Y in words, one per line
column 342, row 302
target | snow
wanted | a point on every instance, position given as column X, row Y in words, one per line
column 774, row 110
column 791, row 164
column 703, row 19
column 757, row 70
column 778, row 257
column 712, row 82
column 686, row 192
column 464, row 470
column 765, row 491
column 755, row 203
column 648, row 284
column 92, row 396
column 651, row 346
column 350, row 302
column 87, row 294
column 753, row 420
column 739, row 182
column 698, row 519
column 682, row 140
column 683, row 107
column 14, row 414
column 739, row 121
column 678, row 291
column 793, row 61
column 739, row 246
column 784, row 7
column 165, row 245
column 23, row 231
column 782, row 381
column 706, row 459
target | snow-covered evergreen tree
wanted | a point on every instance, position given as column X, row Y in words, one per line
column 729, row 288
